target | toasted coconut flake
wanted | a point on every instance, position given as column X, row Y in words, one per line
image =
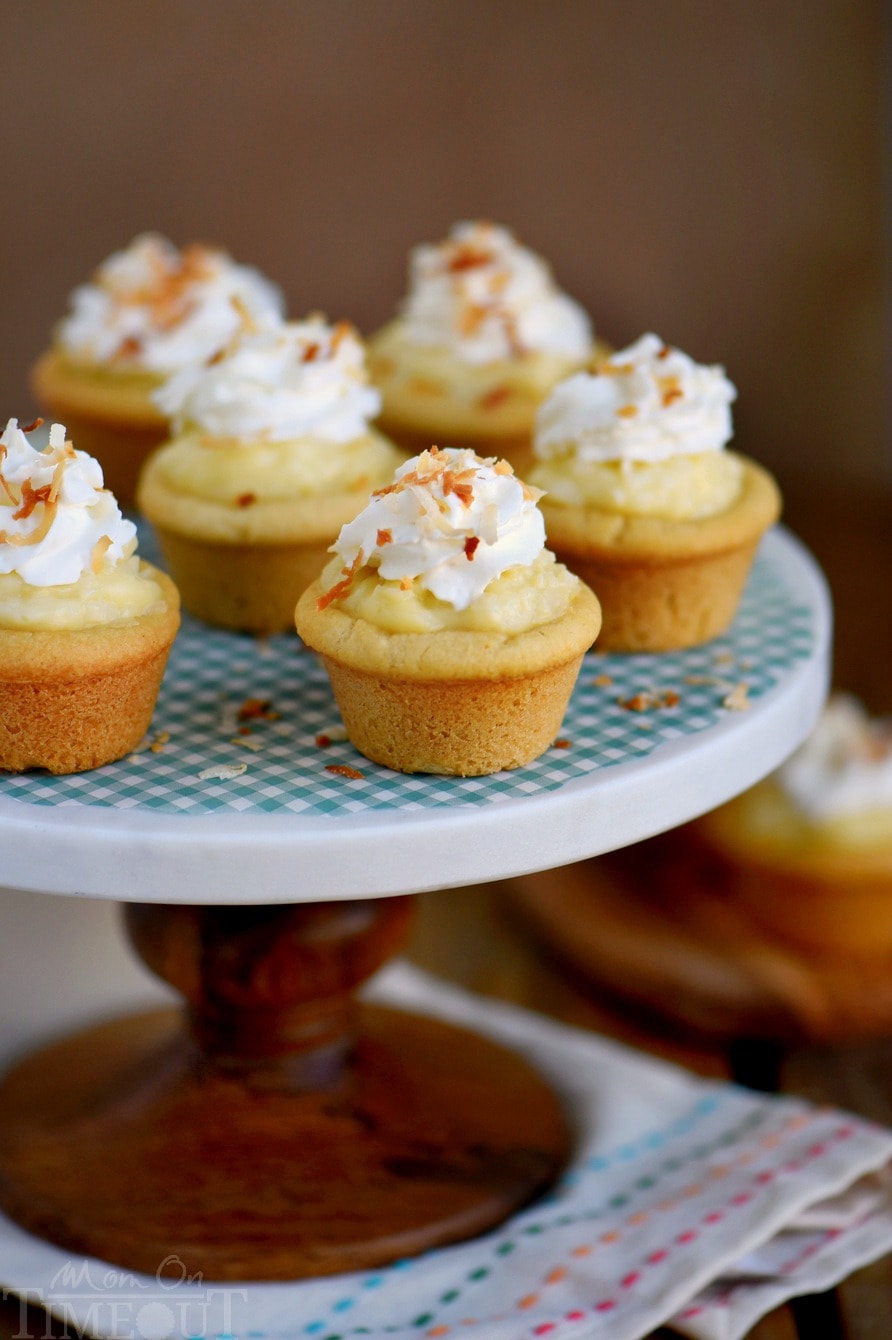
column 222, row 772
column 342, row 331
column 254, row 709
column 495, row 397
column 468, row 257
column 100, row 549
column 670, row 390
column 127, row 350
column 31, row 497
column 738, row 699
column 648, row 700
column 343, row 770
column 342, row 587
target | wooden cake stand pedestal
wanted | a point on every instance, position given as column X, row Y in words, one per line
column 277, row 1128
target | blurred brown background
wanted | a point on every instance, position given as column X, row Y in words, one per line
column 712, row 171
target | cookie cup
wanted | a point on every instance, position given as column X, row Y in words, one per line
column 430, row 397
column 664, row 585
column 244, row 566
column 71, row 700
column 809, row 890
column 457, row 702
column 107, row 411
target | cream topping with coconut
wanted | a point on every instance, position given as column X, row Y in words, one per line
column 642, row 433
column 67, row 555
column 298, row 379
column 282, row 413
column 454, row 542
column 844, row 767
column 486, row 298
column 155, row 308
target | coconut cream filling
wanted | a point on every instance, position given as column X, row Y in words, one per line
column 521, row 599
column 685, row 488
column 434, row 371
column 228, row 472
column 114, row 594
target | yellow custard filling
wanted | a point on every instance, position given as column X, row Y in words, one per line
column 122, row 375
column 522, row 598
column 434, row 371
column 221, row 470
column 684, row 488
column 115, row 593
column 767, row 814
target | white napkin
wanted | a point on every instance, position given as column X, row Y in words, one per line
column 693, row 1204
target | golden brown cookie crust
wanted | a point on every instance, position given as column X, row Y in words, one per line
column 461, row 728
column 463, row 703
column 665, row 585
column 449, row 654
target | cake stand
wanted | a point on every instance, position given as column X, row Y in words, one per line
column 278, row 1126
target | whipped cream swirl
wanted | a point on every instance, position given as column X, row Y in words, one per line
column 486, row 298
column 845, row 765
column 56, row 520
column 155, row 308
column 298, row 379
column 649, row 402
column 450, row 522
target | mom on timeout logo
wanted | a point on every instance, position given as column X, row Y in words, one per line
column 86, row 1299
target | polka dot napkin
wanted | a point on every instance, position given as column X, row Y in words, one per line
column 693, row 1204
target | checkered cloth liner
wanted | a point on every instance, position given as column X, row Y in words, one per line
column 276, row 757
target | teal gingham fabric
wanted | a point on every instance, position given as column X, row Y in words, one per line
column 283, row 764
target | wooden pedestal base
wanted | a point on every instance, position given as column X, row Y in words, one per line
column 308, row 1146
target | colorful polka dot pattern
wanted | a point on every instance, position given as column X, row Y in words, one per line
column 690, row 1189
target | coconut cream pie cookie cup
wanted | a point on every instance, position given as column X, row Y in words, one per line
column 272, row 453
column 451, row 636
column 481, row 337
column 643, row 501
column 148, row 310
column 85, row 626
column 808, row 851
